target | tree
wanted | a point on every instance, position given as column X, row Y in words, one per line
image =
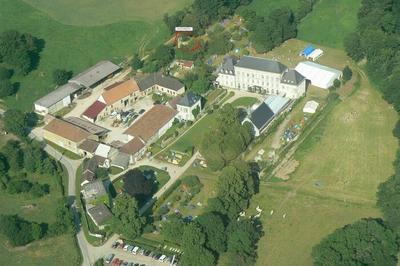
column 15, row 122
column 226, row 140
column 347, row 73
column 6, row 88
column 19, row 50
column 235, row 187
column 193, row 240
column 196, row 112
column 174, row 20
column 213, row 227
column 137, row 185
column 14, row 155
column 18, row 231
column 242, row 238
column 61, row 76
column 388, row 200
column 137, row 63
column 336, row 83
column 366, row 242
column 352, row 45
column 5, row 73
column 127, row 220
column 173, row 228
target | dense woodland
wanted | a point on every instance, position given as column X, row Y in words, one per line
column 376, row 42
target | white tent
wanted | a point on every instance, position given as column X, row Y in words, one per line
column 310, row 107
column 317, row 53
column 319, row 75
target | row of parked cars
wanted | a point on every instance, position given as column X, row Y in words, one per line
column 110, row 259
column 137, row 250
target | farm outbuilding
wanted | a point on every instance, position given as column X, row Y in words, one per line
column 319, row 75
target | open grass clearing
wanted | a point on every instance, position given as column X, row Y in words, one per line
column 55, row 250
column 95, row 12
column 330, row 22
column 340, row 167
column 289, row 241
column 72, row 47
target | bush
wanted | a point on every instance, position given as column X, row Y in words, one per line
column 39, row 190
column 19, row 186
column 61, row 76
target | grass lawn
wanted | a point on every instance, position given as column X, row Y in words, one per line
column 53, row 251
column 244, row 102
column 64, row 152
column 330, row 22
column 193, row 137
column 75, row 47
column 336, row 180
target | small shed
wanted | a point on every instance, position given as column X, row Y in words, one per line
column 317, row 53
column 307, row 51
column 310, row 107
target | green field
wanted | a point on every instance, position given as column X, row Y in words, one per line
column 53, row 251
column 101, row 12
column 330, row 22
column 335, row 182
column 76, row 47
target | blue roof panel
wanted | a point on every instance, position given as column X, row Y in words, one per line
column 308, row 50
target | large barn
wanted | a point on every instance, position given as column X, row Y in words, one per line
column 319, row 75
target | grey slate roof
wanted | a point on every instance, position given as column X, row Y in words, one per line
column 262, row 116
column 161, row 80
column 94, row 189
column 121, row 160
column 292, row 77
column 261, row 64
column 189, row 99
column 95, row 73
column 100, row 213
column 86, row 125
column 228, row 66
column 58, row 94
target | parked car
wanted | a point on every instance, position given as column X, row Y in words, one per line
column 141, row 111
column 135, row 250
column 115, row 262
column 130, row 248
column 125, row 263
column 162, row 258
column 147, row 252
column 157, row 256
column 130, row 264
column 115, row 244
column 126, row 247
column 109, row 258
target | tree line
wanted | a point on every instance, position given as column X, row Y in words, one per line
column 220, row 235
column 373, row 241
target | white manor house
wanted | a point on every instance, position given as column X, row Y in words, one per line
column 261, row 75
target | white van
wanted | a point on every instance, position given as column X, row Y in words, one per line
column 135, row 250
column 162, row 258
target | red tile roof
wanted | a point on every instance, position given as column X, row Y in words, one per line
column 151, row 122
column 94, row 110
column 133, row 146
